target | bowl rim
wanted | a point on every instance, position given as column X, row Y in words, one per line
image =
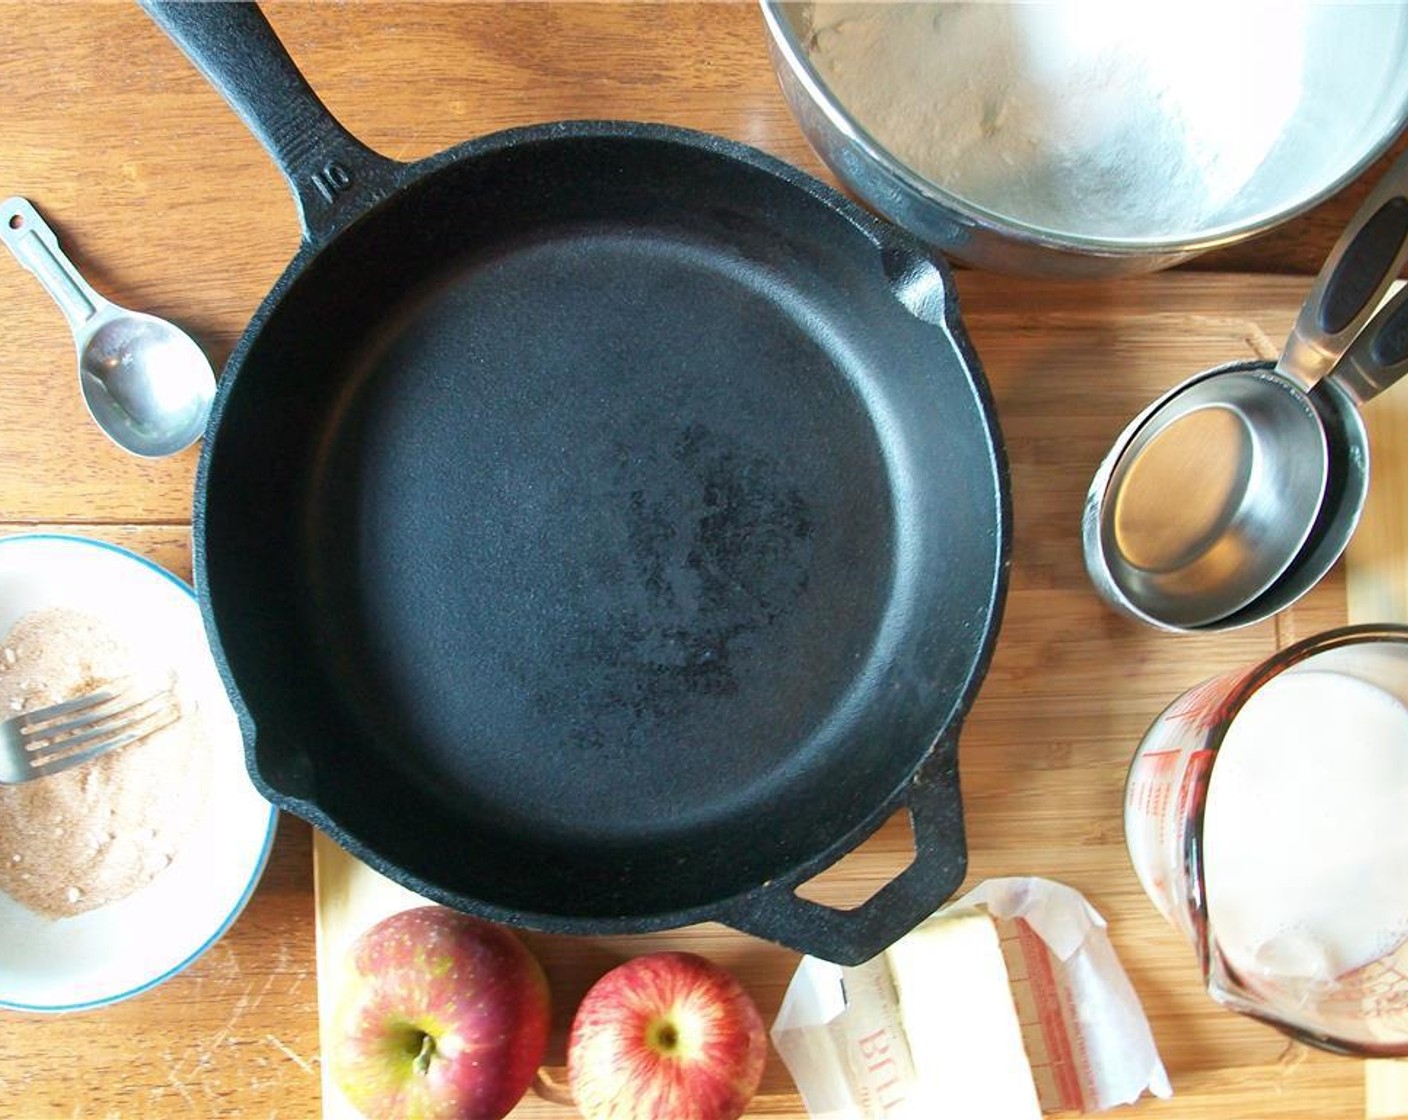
column 789, row 50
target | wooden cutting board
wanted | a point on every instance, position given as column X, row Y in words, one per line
column 1071, row 688
column 1377, row 591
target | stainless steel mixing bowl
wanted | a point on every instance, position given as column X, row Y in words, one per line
column 1092, row 139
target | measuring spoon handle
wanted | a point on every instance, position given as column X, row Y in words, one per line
column 1379, row 355
column 34, row 245
column 1364, row 262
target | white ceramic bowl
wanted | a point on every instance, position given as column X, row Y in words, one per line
column 129, row 946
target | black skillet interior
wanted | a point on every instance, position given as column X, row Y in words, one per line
column 593, row 533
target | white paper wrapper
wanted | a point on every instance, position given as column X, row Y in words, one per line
column 1086, row 1036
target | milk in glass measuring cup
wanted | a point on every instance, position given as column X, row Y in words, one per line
column 1266, row 814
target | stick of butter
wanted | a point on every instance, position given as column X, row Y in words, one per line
column 959, row 1017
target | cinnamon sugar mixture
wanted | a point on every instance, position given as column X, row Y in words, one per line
column 92, row 835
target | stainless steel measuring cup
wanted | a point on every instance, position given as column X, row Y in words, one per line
column 1232, row 494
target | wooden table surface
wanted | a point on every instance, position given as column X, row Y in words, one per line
column 166, row 203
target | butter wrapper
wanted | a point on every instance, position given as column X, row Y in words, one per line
column 1086, row 1037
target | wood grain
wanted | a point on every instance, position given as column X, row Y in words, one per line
column 1377, row 591
column 165, row 202
column 1043, row 756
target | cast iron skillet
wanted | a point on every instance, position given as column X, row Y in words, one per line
column 601, row 526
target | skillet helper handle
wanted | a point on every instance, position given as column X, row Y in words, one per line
column 1358, row 272
column 330, row 172
column 777, row 913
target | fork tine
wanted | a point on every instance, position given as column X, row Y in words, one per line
column 51, row 765
column 89, row 717
column 107, row 732
column 82, row 703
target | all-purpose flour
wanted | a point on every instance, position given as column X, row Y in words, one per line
column 1088, row 118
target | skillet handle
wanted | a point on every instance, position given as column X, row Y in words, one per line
column 332, row 174
column 849, row 937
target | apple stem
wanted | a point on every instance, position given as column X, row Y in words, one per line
column 421, row 1063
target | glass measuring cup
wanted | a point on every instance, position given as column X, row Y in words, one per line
column 1265, row 814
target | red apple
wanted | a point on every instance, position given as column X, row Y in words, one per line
column 441, row 1016
column 666, row 1035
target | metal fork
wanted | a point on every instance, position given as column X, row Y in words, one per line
column 47, row 740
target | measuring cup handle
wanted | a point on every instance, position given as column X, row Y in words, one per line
column 34, row 245
column 1379, row 356
column 1364, row 262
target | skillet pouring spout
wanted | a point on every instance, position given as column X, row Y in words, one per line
column 602, row 526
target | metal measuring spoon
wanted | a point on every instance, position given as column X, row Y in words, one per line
column 1213, row 494
column 145, row 382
